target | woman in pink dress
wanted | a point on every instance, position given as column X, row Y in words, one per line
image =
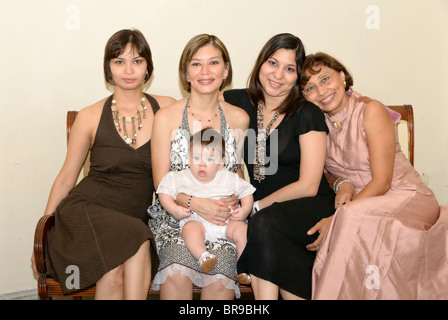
column 379, row 243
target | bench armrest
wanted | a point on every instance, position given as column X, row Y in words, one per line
column 40, row 237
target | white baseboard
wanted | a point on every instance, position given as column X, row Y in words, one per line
column 30, row 294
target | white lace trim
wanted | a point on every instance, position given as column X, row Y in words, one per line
column 198, row 279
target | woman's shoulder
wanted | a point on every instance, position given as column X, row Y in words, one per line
column 239, row 98
column 236, row 94
column 92, row 111
column 176, row 107
column 309, row 109
column 170, row 116
column 235, row 109
column 376, row 111
column 235, row 116
column 308, row 117
column 163, row 101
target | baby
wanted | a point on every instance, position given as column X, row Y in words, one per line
column 206, row 178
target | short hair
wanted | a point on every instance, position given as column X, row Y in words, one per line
column 314, row 62
column 116, row 45
column 209, row 138
column 280, row 41
column 196, row 43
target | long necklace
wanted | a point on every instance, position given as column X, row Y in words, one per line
column 118, row 117
column 260, row 148
column 189, row 108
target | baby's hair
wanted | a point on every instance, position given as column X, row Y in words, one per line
column 209, row 138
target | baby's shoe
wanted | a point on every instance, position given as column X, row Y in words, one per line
column 243, row 278
column 207, row 261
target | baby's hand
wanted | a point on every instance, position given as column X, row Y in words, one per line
column 240, row 214
column 180, row 213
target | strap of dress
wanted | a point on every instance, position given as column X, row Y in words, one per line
column 153, row 102
column 184, row 123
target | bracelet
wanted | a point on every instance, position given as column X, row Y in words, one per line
column 189, row 204
column 334, row 183
column 255, row 207
column 345, row 180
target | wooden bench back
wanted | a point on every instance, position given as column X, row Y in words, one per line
column 407, row 116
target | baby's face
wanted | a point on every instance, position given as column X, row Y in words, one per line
column 204, row 164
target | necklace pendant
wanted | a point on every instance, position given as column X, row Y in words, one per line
column 125, row 121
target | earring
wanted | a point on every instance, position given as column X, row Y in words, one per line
column 345, row 84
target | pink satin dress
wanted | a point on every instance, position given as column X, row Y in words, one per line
column 392, row 246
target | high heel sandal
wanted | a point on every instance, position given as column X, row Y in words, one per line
column 243, row 278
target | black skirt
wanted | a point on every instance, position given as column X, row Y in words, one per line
column 277, row 239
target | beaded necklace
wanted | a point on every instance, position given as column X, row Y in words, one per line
column 118, row 117
column 260, row 148
column 192, row 113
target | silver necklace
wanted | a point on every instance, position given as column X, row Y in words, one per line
column 260, row 148
column 192, row 113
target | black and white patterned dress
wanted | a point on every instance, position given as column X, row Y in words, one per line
column 174, row 256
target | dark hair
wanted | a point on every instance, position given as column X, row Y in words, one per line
column 209, row 138
column 196, row 43
column 118, row 42
column 319, row 59
column 280, row 41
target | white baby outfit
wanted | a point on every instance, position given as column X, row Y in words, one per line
column 225, row 184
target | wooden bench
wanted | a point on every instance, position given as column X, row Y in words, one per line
column 49, row 287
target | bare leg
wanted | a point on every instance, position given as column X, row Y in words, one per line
column 110, row 286
column 289, row 296
column 216, row 291
column 137, row 274
column 176, row 287
column 193, row 234
column 237, row 231
column 263, row 289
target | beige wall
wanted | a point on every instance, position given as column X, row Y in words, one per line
column 51, row 62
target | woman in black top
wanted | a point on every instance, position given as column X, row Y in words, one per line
column 285, row 153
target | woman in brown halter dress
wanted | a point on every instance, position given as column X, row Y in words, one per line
column 101, row 224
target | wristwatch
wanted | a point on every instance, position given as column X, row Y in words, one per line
column 255, row 207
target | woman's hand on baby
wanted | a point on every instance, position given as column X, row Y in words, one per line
column 232, row 202
column 214, row 211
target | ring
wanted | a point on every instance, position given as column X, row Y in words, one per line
column 338, row 202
